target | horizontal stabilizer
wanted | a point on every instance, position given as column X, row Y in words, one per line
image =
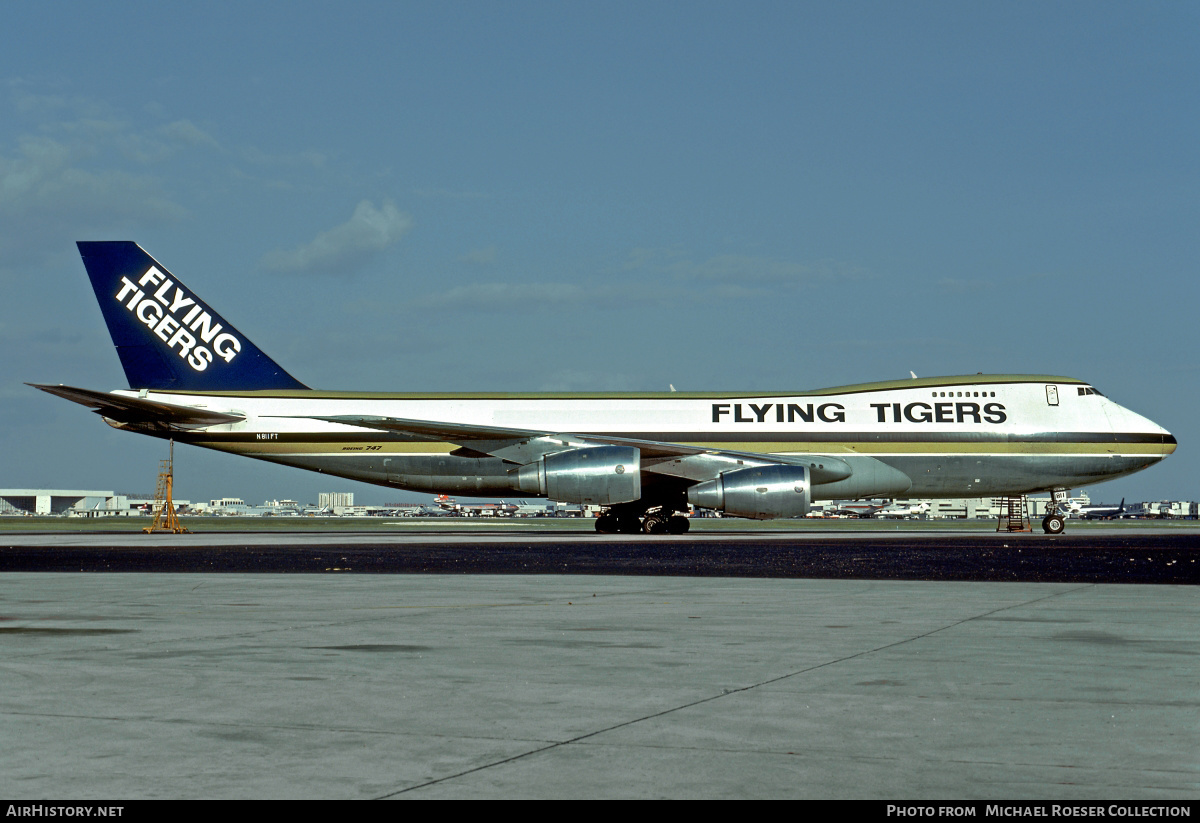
column 136, row 410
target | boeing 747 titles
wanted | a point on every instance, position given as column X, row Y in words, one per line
column 644, row 457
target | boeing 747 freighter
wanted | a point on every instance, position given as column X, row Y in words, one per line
column 644, row 457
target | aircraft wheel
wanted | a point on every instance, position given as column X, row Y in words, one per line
column 1053, row 524
column 678, row 525
column 606, row 524
column 654, row 525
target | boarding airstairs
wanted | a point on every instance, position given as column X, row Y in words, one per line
column 1014, row 514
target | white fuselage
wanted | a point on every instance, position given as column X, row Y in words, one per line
column 950, row 438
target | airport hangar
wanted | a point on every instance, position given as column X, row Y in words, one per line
column 49, row 501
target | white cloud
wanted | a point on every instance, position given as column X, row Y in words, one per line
column 157, row 145
column 345, row 249
column 480, row 257
column 655, row 276
column 187, row 133
column 453, row 194
column 510, row 295
column 736, row 274
column 49, row 107
column 53, row 192
column 72, row 168
column 311, row 159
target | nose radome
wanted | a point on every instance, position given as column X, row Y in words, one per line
column 1124, row 421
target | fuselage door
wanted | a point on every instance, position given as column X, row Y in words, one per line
column 1052, row 395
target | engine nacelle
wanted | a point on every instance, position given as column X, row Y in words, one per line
column 598, row 475
column 759, row 492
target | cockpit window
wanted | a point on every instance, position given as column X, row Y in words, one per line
column 1088, row 390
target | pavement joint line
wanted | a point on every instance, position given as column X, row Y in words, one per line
column 728, row 692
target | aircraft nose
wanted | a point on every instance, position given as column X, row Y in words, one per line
column 1169, row 443
column 1129, row 424
column 1165, row 438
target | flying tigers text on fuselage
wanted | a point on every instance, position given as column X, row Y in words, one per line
column 836, row 413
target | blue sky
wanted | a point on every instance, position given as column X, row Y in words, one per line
column 526, row 196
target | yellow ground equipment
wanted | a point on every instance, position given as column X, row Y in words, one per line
column 165, row 519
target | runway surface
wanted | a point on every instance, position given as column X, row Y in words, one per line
column 1120, row 556
column 671, row 668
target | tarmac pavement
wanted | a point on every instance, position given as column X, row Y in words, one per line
column 342, row 685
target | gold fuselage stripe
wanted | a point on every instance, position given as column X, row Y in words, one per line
column 760, row 447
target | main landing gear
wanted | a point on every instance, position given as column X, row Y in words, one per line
column 621, row 520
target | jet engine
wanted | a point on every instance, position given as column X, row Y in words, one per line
column 598, row 475
column 759, row 492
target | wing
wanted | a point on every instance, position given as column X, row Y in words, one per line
column 135, row 410
column 521, row 446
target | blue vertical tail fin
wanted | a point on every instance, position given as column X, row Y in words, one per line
column 166, row 336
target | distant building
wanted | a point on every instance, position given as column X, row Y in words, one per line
column 76, row 503
column 50, row 501
column 229, row 506
column 335, row 500
column 1164, row 509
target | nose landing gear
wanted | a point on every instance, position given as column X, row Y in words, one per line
column 1053, row 524
column 1054, row 521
